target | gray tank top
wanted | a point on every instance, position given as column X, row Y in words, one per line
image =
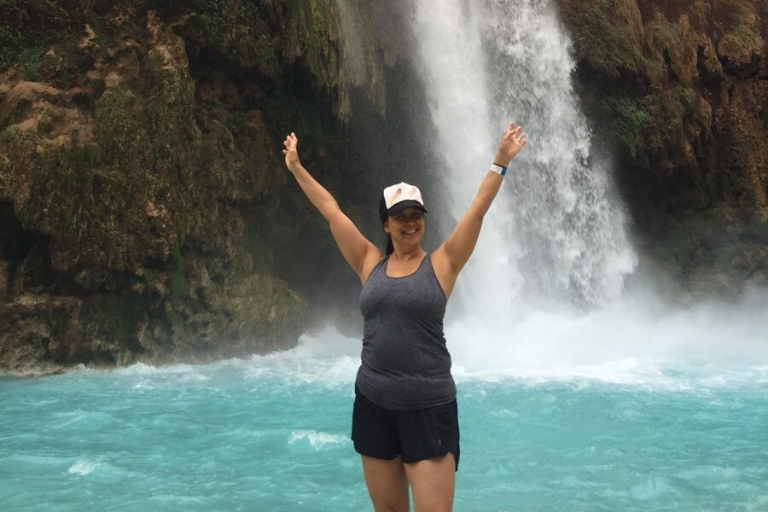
column 405, row 364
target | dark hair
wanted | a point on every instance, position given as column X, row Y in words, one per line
column 382, row 210
column 389, row 249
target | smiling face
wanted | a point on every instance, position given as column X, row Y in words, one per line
column 406, row 228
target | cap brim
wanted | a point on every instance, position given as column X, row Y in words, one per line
column 404, row 205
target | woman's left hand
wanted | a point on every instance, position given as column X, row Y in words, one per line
column 511, row 144
column 291, row 152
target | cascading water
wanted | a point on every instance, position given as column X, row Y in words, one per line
column 543, row 290
column 555, row 234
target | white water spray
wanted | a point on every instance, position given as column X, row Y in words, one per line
column 453, row 63
column 555, row 234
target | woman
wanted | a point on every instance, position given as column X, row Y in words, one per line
column 405, row 423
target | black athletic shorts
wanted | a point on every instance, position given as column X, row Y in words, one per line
column 415, row 435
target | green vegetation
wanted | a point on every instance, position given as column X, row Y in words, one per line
column 240, row 31
column 744, row 23
column 179, row 286
column 742, row 39
column 630, row 120
column 646, row 123
column 151, row 151
column 642, row 81
column 10, row 134
column 312, row 29
column 30, row 60
column 665, row 35
column 599, row 39
column 67, row 192
column 165, row 191
column 27, row 28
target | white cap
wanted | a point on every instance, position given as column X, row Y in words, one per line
column 401, row 196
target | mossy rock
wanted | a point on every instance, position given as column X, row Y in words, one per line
column 158, row 180
column 606, row 36
column 742, row 45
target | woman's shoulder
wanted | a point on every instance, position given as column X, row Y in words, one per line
column 375, row 268
column 441, row 268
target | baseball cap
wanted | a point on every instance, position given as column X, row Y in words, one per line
column 399, row 197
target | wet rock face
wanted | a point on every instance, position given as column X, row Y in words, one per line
column 34, row 327
column 143, row 198
column 5, row 279
column 679, row 89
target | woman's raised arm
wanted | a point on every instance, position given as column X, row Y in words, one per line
column 360, row 253
column 454, row 253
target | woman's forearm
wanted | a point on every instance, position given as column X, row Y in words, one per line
column 489, row 188
column 511, row 143
column 360, row 253
column 315, row 192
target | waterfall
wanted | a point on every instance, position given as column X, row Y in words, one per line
column 556, row 233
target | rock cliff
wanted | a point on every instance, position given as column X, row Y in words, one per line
column 144, row 207
column 679, row 88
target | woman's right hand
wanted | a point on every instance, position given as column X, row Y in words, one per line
column 291, row 144
column 511, row 144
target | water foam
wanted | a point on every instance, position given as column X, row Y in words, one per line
column 147, row 369
column 317, row 440
column 82, row 467
column 636, row 344
column 706, row 346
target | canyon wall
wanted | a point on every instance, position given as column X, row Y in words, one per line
column 678, row 91
column 145, row 212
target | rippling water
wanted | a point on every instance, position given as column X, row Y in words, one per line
column 272, row 433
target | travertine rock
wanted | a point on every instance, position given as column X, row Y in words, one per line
column 680, row 89
column 131, row 155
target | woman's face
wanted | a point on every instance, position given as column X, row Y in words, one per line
column 407, row 227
